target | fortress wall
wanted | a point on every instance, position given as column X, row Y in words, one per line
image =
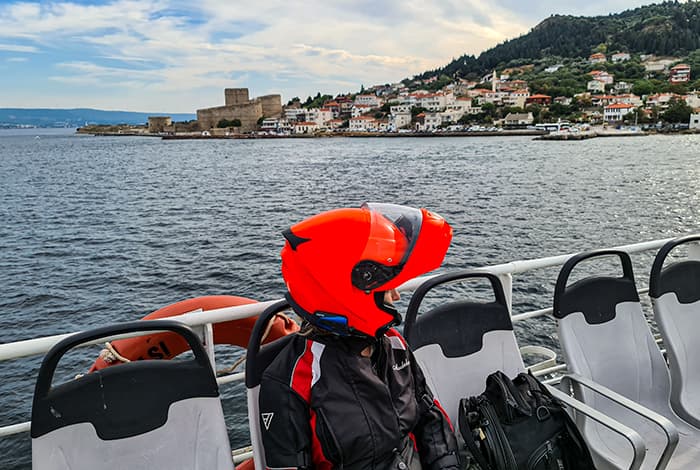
column 235, row 96
column 248, row 114
column 157, row 124
column 271, row 105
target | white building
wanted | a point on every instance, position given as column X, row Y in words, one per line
column 603, row 76
column 617, row 111
column 622, row 87
column 694, row 121
column 660, row 65
column 371, row 100
column 432, row 121
column 359, row 110
column 399, row 120
column 459, row 108
column 400, row 109
column 660, row 100
column 400, row 116
column 363, row 124
column 305, row 127
column 629, row 98
column 596, row 85
column 516, row 98
column 435, row 101
column 553, row 68
column 620, row 57
column 693, row 99
column 295, row 114
column 596, row 58
column 518, row 119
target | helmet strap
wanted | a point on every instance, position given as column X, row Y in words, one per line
column 388, row 308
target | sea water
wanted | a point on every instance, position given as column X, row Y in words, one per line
column 96, row 230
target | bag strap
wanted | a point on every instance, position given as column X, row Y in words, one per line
column 465, row 428
column 511, row 394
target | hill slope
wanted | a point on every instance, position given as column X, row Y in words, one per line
column 669, row 28
column 13, row 117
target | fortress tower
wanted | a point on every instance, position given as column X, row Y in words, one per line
column 234, row 96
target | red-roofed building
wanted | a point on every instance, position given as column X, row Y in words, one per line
column 596, row 58
column 538, row 99
column 680, row 74
column 617, row 111
column 305, row 127
column 363, row 124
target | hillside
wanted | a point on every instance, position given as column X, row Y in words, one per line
column 16, row 117
column 669, row 28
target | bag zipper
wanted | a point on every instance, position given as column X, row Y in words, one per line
column 512, row 398
column 505, row 458
column 542, row 452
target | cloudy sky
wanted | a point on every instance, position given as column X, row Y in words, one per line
column 178, row 56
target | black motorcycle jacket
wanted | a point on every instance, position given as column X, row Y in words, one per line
column 325, row 406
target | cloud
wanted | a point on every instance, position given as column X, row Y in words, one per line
column 18, row 48
column 174, row 50
column 17, row 59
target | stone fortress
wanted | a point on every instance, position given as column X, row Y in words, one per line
column 240, row 106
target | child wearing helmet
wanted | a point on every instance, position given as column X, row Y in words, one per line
column 347, row 392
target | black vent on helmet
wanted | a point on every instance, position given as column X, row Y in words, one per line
column 294, row 241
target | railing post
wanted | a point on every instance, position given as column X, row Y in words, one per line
column 694, row 251
column 507, row 281
column 209, row 344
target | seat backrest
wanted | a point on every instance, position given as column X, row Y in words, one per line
column 257, row 360
column 140, row 415
column 460, row 343
column 675, row 297
column 605, row 336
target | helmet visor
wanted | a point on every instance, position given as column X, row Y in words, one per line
column 393, row 233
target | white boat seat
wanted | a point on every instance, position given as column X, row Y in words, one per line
column 605, row 338
column 675, row 297
column 141, row 415
column 460, row 343
column 257, row 360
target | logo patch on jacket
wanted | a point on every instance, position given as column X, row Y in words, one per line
column 403, row 365
column 267, row 418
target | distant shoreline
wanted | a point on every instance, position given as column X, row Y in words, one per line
column 537, row 134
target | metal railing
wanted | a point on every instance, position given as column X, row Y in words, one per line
column 205, row 319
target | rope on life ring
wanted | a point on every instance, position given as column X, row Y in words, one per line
column 241, row 360
column 167, row 345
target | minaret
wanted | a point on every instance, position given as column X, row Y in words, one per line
column 493, row 81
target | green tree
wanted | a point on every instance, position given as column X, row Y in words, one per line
column 643, row 87
column 224, row 123
column 678, row 111
column 488, row 109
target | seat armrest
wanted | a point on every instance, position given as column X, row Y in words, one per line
column 661, row 421
column 638, row 446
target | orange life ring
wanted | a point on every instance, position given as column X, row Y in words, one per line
column 169, row 345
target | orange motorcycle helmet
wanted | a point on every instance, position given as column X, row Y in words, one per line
column 338, row 264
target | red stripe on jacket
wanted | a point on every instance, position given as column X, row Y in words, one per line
column 301, row 384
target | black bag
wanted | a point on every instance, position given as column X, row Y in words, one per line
column 519, row 425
